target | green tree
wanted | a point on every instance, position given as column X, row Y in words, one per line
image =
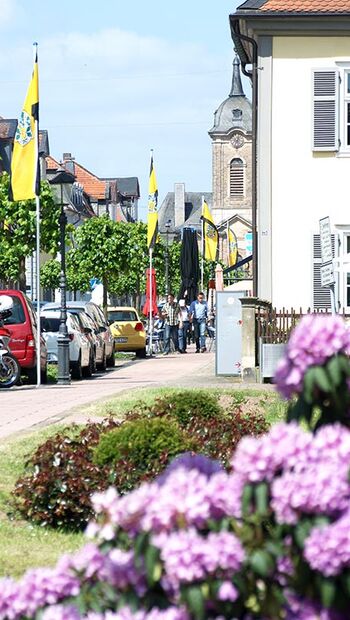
column 18, row 230
column 100, row 250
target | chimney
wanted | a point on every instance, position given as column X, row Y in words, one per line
column 179, row 204
column 68, row 162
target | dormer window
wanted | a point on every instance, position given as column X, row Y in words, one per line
column 237, row 114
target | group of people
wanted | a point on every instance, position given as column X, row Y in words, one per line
column 179, row 319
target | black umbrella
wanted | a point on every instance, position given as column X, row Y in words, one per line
column 189, row 263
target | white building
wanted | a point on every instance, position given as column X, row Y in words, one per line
column 303, row 142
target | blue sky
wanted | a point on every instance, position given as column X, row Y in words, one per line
column 119, row 78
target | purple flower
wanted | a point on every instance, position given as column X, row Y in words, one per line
column 303, row 609
column 327, row 548
column 189, row 460
column 260, row 458
column 61, row 612
column 313, row 341
column 189, row 557
column 228, row 592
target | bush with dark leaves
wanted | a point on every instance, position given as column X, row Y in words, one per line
column 60, row 478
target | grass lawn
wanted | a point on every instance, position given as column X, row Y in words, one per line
column 24, row 545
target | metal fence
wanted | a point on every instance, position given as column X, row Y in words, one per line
column 274, row 326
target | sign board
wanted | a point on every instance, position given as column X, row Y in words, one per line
column 249, row 242
column 327, row 275
column 228, row 333
column 326, row 241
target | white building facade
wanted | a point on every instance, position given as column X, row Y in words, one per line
column 303, row 145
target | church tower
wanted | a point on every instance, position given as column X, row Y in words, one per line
column 231, row 137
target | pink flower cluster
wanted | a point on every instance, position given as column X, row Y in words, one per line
column 304, row 609
column 69, row 612
column 260, row 458
column 314, row 340
column 189, row 557
column 327, row 548
column 184, row 499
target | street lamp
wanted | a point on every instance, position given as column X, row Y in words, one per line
column 63, row 178
column 167, row 227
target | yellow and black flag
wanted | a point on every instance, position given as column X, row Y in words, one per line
column 210, row 234
column 152, row 220
column 25, row 174
column 232, row 247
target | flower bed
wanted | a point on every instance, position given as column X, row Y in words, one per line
column 269, row 539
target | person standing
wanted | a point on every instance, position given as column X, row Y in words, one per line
column 183, row 326
column 198, row 315
column 172, row 316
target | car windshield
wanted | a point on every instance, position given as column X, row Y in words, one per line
column 17, row 315
column 50, row 324
column 118, row 316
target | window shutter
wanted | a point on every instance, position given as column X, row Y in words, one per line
column 237, row 178
column 325, row 136
column 321, row 294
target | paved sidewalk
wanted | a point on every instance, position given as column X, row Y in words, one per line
column 25, row 408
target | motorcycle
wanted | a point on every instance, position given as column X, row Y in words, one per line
column 10, row 371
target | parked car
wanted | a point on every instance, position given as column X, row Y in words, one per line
column 81, row 353
column 22, row 325
column 94, row 333
column 95, row 312
column 127, row 329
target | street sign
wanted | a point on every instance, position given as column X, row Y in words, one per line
column 326, row 240
column 327, row 275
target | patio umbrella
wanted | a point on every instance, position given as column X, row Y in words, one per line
column 150, row 305
column 189, row 264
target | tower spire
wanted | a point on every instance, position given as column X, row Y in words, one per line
column 236, row 88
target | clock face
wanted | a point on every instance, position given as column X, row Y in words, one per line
column 237, row 141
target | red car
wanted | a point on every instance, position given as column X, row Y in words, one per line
column 23, row 328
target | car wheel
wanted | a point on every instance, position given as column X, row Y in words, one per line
column 141, row 353
column 103, row 365
column 76, row 369
column 91, row 368
column 31, row 374
column 43, row 375
column 111, row 359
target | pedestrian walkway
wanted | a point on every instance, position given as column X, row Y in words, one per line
column 21, row 409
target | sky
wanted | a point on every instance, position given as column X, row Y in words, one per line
column 120, row 78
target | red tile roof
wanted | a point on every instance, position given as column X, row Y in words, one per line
column 307, row 6
column 92, row 184
column 51, row 163
column 95, row 187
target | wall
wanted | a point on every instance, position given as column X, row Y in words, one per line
column 305, row 185
column 223, row 204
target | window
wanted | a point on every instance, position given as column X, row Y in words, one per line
column 236, row 178
column 120, row 316
column 346, row 123
column 17, row 313
column 325, row 110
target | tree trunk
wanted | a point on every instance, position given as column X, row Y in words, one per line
column 105, row 296
column 22, row 275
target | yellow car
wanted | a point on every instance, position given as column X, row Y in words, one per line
column 128, row 331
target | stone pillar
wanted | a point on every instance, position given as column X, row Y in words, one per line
column 250, row 343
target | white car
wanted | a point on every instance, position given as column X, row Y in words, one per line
column 81, row 358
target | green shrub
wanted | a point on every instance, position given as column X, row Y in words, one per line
column 60, row 478
column 186, row 405
column 142, row 443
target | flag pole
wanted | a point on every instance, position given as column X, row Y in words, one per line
column 37, row 209
column 228, row 244
column 150, row 344
column 202, row 259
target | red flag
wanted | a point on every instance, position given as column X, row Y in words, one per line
column 150, row 305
